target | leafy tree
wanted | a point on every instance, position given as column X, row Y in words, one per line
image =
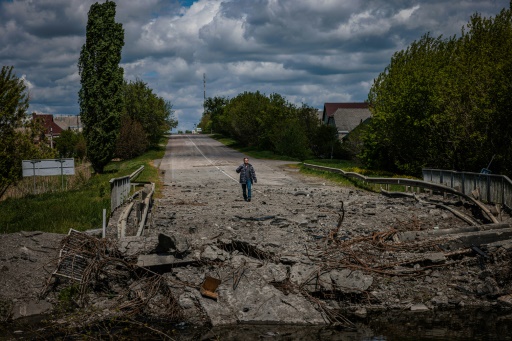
column 212, row 117
column 80, row 150
column 18, row 134
column 100, row 96
column 445, row 103
column 404, row 100
column 243, row 116
column 132, row 139
column 71, row 144
column 154, row 114
column 486, row 104
column 66, row 143
column 324, row 142
column 271, row 123
column 277, row 111
column 289, row 139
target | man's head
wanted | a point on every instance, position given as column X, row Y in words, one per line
column 246, row 160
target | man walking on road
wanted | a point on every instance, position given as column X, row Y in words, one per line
column 247, row 178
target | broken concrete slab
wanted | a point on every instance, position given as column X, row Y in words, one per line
column 305, row 276
column 155, row 260
column 273, row 272
column 419, row 307
column 252, row 303
column 161, row 243
column 30, row 308
column 418, row 235
column 213, row 253
column 506, row 300
column 350, row 281
column 477, row 238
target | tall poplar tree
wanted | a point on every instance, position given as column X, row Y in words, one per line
column 100, row 97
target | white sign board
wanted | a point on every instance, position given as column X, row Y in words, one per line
column 48, row 167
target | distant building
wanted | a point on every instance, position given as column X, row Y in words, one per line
column 51, row 129
column 68, row 122
column 345, row 116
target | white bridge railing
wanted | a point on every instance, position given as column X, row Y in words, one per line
column 491, row 188
column 120, row 189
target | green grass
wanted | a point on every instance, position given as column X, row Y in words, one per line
column 346, row 165
column 353, row 166
column 349, row 166
column 251, row 151
column 333, row 177
column 80, row 209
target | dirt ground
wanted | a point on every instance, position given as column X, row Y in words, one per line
column 297, row 220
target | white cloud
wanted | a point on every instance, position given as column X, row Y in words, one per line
column 27, row 83
column 308, row 51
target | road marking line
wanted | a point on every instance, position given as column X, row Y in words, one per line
column 210, row 161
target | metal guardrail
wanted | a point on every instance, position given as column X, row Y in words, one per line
column 120, row 189
column 407, row 182
column 491, row 188
column 385, row 181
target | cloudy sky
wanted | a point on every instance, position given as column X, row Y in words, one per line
column 309, row 51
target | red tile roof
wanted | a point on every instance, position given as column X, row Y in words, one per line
column 48, row 124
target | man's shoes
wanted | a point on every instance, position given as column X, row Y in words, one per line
column 249, row 199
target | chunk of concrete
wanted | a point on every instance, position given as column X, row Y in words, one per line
column 213, row 253
column 137, row 245
column 162, row 260
column 435, row 257
column 419, row 307
column 351, row 281
column 30, row 308
column 478, row 238
column 254, row 302
column 273, row 272
column 179, row 243
column 305, row 276
column 505, row 300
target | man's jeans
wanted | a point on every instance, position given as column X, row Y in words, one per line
column 246, row 189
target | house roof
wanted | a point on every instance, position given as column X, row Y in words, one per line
column 68, row 121
column 330, row 108
column 47, row 121
column 346, row 119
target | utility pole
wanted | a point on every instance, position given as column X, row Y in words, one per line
column 204, row 92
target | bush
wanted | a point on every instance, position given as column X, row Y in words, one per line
column 132, row 139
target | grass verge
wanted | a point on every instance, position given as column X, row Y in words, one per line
column 346, row 165
column 353, row 166
column 251, row 151
column 80, row 209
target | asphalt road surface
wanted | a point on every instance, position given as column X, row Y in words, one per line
column 197, row 159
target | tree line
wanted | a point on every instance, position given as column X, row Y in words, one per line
column 272, row 123
column 445, row 103
column 120, row 118
column 441, row 103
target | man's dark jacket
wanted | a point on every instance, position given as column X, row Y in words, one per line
column 246, row 172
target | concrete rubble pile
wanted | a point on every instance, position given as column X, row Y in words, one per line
column 313, row 256
column 300, row 267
